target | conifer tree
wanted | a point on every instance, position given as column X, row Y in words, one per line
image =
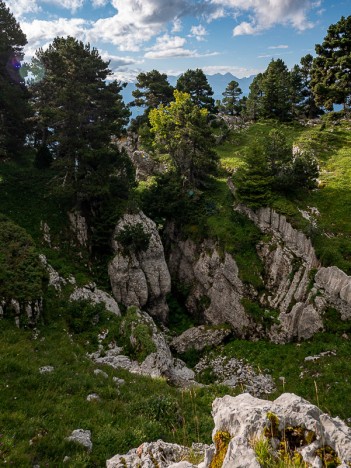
column 181, row 131
column 14, row 107
column 78, row 114
column 231, row 102
column 194, row 82
column 331, row 70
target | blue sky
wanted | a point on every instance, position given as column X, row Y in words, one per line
column 219, row 36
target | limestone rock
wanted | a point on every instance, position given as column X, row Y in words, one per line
column 93, row 397
column 101, row 372
column 302, row 322
column 236, row 372
column 46, row 369
column 245, row 417
column 160, row 363
column 337, row 287
column 159, row 453
column 140, row 278
column 79, row 226
column 215, row 287
column 199, row 338
column 55, row 280
column 91, row 293
column 82, row 437
column 270, row 221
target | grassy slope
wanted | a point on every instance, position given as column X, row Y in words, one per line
column 332, row 146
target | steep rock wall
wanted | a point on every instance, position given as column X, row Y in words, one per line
column 216, row 290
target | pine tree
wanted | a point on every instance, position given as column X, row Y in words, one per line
column 14, row 108
column 231, row 95
column 152, row 90
column 194, row 82
column 331, row 70
column 77, row 115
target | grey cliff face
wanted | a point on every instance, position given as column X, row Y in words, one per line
column 337, row 287
column 140, row 278
column 289, row 263
column 216, row 289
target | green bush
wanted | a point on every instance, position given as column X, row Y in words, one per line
column 133, row 238
column 22, row 276
column 82, row 316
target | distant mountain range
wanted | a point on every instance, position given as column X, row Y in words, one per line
column 218, row 82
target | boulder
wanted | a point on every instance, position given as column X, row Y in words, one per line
column 159, row 363
column 91, row 293
column 159, row 453
column 140, row 277
column 199, row 338
column 245, row 418
column 81, row 437
column 243, row 421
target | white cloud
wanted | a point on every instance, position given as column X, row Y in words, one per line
column 172, row 46
column 239, row 72
column 281, row 46
column 72, row 5
column 199, row 32
column 177, row 25
column 99, row 3
column 20, row 7
column 244, row 28
column 267, row 13
column 40, row 33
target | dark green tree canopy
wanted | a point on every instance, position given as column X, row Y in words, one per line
column 153, row 90
column 194, row 82
column 331, row 70
column 13, row 96
column 231, row 98
column 77, row 114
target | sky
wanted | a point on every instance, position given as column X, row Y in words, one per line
column 236, row 36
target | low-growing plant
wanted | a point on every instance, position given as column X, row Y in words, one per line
column 133, row 238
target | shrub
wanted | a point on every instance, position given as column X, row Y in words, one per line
column 133, row 238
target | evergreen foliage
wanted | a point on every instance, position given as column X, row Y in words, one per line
column 231, row 98
column 331, row 70
column 153, row 90
column 194, row 82
column 21, row 273
column 14, row 108
column 77, row 114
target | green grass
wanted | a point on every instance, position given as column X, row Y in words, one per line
column 331, row 373
column 38, row 411
column 332, row 146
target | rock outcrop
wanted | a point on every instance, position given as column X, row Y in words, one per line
column 336, row 286
column 159, row 453
column 139, row 277
column 159, row 363
column 245, row 418
column 244, row 421
column 199, row 338
column 79, row 226
column 290, row 264
column 216, row 290
column 91, row 293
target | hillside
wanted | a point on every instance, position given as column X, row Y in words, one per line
column 36, row 433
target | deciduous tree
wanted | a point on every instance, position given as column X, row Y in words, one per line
column 181, row 131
